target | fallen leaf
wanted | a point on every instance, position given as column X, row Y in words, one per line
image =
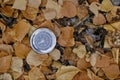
column 3, row 54
column 30, row 13
column 47, row 61
column 21, row 5
column 116, row 25
column 112, row 71
column 108, row 27
column 82, row 12
column 81, row 76
column 21, row 29
column 55, row 54
column 2, row 26
column 16, row 75
column 66, row 38
column 92, row 76
column 6, row 48
column 21, row 50
column 36, row 59
column 115, row 53
column 34, row 3
column 94, row 7
column 54, row 5
column 49, row 14
column 5, row 63
column 68, row 9
column 66, row 73
column 80, row 51
column 7, row 11
column 5, row 76
column 36, row 74
column 101, row 59
column 106, row 6
column 99, row 19
column 56, row 64
column 17, row 64
column 82, row 64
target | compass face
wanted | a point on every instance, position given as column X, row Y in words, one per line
column 43, row 40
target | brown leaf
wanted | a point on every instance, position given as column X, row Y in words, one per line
column 21, row 50
column 99, row 19
column 36, row 59
column 80, row 51
column 81, row 76
column 94, row 8
column 66, row 73
column 20, row 30
column 5, row 76
column 30, row 13
column 54, row 5
column 34, row 3
column 55, row 54
column 7, row 11
column 36, row 74
column 68, row 9
column 20, row 4
column 5, row 63
column 49, row 14
column 82, row 64
column 106, row 6
column 116, row 25
column 17, row 64
column 7, row 36
column 3, row 54
column 112, row 71
column 2, row 26
column 82, row 12
column 92, row 76
column 66, row 38
column 6, row 48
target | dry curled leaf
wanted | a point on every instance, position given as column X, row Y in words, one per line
column 7, row 36
column 99, row 19
column 30, row 13
column 34, row 3
column 49, row 14
column 106, row 5
column 116, row 53
column 97, row 60
column 6, row 48
column 92, row 76
column 20, row 4
column 17, row 64
column 3, row 54
column 66, row 73
column 94, row 8
column 2, row 26
column 112, row 71
column 20, row 30
column 36, row 59
column 7, row 11
column 5, row 63
column 36, row 74
column 55, row 54
column 82, row 64
column 66, row 38
column 21, row 50
column 82, row 12
column 16, row 75
column 5, row 76
column 68, row 9
column 116, row 25
column 54, row 5
column 81, row 76
column 80, row 51
column 108, row 27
